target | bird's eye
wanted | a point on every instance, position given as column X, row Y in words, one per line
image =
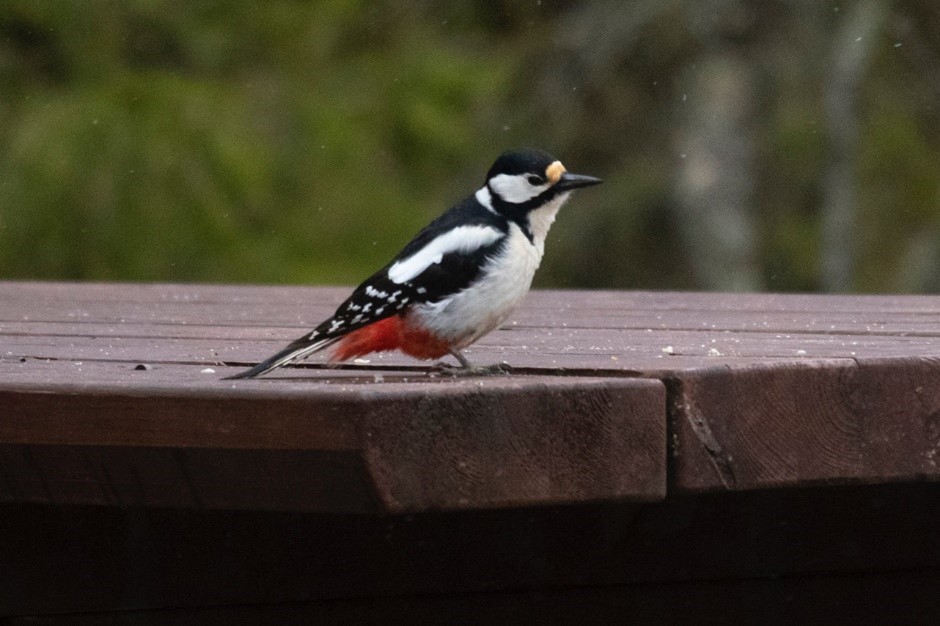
column 534, row 180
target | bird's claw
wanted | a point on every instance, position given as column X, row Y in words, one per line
column 455, row 371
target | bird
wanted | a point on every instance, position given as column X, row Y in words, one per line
column 457, row 280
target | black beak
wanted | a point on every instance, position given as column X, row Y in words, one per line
column 570, row 181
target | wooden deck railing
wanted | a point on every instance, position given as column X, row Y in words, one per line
column 773, row 430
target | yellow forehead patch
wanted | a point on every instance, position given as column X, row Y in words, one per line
column 554, row 171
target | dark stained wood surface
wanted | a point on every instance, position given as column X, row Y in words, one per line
column 765, row 390
column 867, row 420
column 644, row 439
column 395, row 448
column 113, row 394
column 600, row 331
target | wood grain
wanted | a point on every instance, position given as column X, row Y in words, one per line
column 805, row 423
column 697, row 442
column 772, row 380
column 394, row 442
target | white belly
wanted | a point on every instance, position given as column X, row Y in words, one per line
column 468, row 315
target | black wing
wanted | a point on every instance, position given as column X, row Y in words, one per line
column 379, row 297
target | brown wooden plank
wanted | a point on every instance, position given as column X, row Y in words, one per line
column 256, row 305
column 834, row 323
column 58, row 292
column 221, row 492
column 631, row 333
column 385, row 366
column 587, row 442
column 186, row 478
column 655, row 353
column 501, row 441
column 584, row 351
column 755, row 341
column 313, row 310
column 805, row 423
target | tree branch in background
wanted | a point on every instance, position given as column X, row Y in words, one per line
column 851, row 51
column 715, row 175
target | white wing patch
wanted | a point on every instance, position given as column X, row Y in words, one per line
column 463, row 239
column 484, row 197
column 515, row 188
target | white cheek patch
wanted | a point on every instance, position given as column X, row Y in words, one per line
column 463, row 239
column 515, row 188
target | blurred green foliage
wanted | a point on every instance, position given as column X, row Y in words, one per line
column 295, row 142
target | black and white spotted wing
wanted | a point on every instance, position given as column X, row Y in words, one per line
column 444, row 265
column 443, row 259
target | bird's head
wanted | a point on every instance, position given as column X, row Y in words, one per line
column 527, row 179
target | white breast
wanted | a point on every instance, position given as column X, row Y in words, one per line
column 468, row 315
column 541, row 220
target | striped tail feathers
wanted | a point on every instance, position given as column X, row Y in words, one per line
column 352, row 320
column 297, row 350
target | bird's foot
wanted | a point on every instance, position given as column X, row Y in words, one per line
column 461, row 371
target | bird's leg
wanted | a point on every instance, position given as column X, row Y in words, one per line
column 464, row 363
column 469, row 369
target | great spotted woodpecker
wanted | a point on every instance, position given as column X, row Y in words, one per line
column 458, row 279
